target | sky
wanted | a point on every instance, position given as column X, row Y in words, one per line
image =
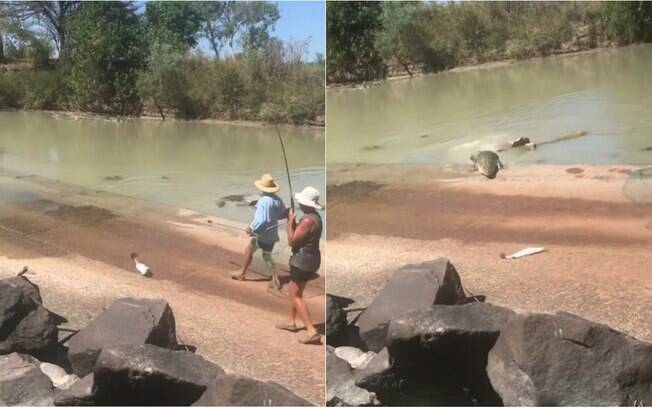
column 302, row 20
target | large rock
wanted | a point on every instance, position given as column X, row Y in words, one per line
column 340, row 385
column 412, row 287
column 78, row 394
column 22, row 382
column 151, row 375
column 25, row 325
column 563, row 359
column 125, row 321
column 234, row 390
column 336, row 319
column 446, row 346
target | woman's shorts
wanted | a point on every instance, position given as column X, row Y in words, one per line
column 300, row 276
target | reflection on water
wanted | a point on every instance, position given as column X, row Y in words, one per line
column 184, row 164
column 443, row 118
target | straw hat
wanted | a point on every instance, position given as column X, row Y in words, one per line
column 267, row 184
column 308, row 197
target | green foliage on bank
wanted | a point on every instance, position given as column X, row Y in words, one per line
column 116, row 59
column 368, row 40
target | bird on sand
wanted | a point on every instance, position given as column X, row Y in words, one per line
column 141, row 267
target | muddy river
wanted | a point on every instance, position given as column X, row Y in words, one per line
column 445, row 117
column 183, row 164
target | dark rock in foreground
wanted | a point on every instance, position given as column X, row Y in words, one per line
column 233, row 390
column 340, row 384
column 446, row 346
column 25, row 325
column 22, row 382
column 78, row 394
column 336, row 319
column 125, row 321
column 151, row 375
column 412, row 287
column 563, row 359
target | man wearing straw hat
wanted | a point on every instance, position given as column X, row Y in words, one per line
column 264, row 227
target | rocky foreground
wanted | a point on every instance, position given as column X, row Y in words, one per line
column 423, row 341
column 128, row 355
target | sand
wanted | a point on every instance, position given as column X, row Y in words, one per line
column 594, row 221
column 77, row 242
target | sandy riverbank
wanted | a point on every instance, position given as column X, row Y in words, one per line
column 77, row 243
column 598, row 240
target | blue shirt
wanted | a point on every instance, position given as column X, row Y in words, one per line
column 269, row 210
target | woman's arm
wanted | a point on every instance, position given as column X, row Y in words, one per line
column 298, row 233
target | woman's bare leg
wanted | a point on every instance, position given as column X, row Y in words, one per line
column 295, row 292
column 293, row 310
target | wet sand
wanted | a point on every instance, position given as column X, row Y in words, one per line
column 597, row 239
column 77, row 244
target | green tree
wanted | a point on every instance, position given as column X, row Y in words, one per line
column 174, row 22
column 351, row 29
column 106, row 53
column 629, row 21
column 51, row 16
column 403, row 38
column 163, row 83
column 238, row 24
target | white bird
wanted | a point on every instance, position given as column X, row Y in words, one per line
column 141, row 267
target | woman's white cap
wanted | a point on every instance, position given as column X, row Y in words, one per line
column 308, row 197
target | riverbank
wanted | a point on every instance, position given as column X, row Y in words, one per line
column 76, row 243
column 398, row 76
column 597, row 239
column 78, row 115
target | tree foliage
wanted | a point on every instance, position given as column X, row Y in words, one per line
column 238, row 25
column 128, row 58
column 351, row 30
column 173, row 22
column 106, row 53
column 630, row 21
column 431, row 36
column 49, row 16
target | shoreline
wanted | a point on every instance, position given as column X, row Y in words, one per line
column 78, row 115
column 474, row 67
column 76, row 243
column 597, row 239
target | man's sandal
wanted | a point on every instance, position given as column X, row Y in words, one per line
column 238, row 277
column 314, row 339
column 287, row 327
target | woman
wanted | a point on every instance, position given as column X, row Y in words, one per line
column 305, row 261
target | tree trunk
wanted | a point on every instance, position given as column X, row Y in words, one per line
column 160, row 110
column 406, row 67
column 2, row 49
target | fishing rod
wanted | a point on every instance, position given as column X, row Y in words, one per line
column 287, row 169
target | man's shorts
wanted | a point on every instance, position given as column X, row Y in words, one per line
column 255, row 244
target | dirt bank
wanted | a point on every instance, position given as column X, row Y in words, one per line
column 597, row 238
column 77, row 242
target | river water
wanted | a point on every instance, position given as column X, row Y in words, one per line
column 444, row 118
column 184, row 164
